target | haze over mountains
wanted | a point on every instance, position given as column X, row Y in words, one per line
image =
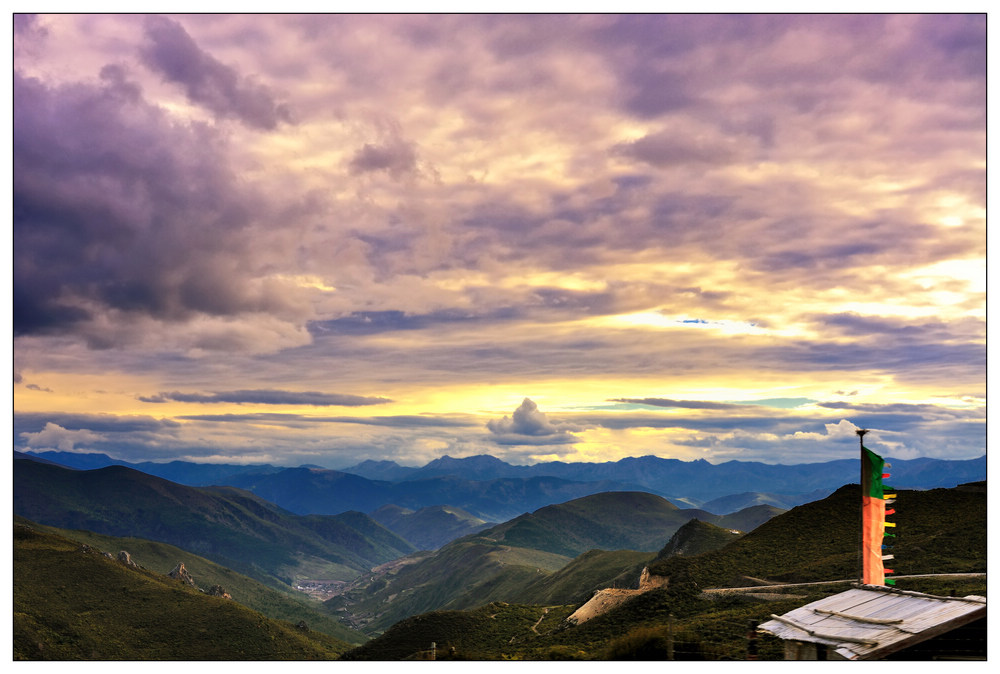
column 493, row 490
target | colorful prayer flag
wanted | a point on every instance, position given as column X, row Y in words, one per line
column 873, row 522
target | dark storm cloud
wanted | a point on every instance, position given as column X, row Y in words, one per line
column 206, row 81
column 269, row 397
column 120, row 213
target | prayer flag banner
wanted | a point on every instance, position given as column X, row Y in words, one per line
column 873, row 498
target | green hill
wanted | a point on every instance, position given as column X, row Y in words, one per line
column 606, row 521
column 462, row 574
column 227, row 525
column 576, row 582
column 72, row 602
column 938, row 531
column 697, row 537
column 747, row 519
column 512, row 562
column 288, row 605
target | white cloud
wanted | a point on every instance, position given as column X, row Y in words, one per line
column 54, row 435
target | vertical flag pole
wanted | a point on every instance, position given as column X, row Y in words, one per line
column 861, row 536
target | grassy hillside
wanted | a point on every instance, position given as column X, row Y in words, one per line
column 607, row 521
column 74, row 603
column 229, row 526
column 512, row 562
column 288, row 605
column 748, row 518
column 697, row 537
column 460, row 575
column 486, row 633
column 576, row 582
column 938, row 531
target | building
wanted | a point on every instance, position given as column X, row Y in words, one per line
column 874, row 622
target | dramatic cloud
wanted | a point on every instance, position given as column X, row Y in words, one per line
column 704, row 236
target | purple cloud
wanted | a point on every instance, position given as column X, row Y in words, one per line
column 206, row 81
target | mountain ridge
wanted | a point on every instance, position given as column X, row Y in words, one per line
column 692, row 482
column 230, row 526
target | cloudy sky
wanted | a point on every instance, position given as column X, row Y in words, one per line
column 327, row 239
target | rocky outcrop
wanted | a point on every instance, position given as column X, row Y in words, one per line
column 181, row 574
column 217, row 591
column 126, row 559
column 648, row 581
column 605, row 600
column 602, row 602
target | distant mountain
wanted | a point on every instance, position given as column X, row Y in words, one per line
column 747, row 519
column 479, row 467
column 734, row 502
column 74, row 603
column 702, row 480
column 182, row 472
column 380, row 470
column 227, row 525
column 495, row 490
column 305, row 490
column 317, row 491
column 431, row 527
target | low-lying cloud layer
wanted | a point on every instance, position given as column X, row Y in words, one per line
column 539, row 236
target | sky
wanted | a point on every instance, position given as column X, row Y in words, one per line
column 326, row 239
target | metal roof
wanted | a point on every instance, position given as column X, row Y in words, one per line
column 871, row 621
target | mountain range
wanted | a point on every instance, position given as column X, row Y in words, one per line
column 227, row 525
column 493, row 490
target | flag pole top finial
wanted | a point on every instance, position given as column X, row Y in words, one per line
column 861, row 432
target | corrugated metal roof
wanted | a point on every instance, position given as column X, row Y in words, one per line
column 869, row 622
